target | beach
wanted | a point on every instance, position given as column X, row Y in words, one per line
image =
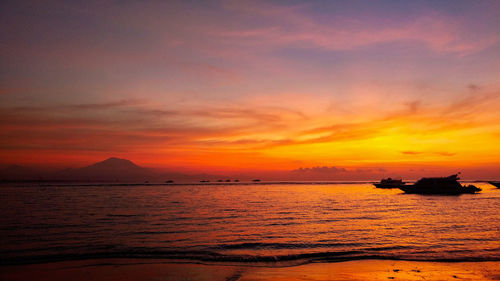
column 125, row 270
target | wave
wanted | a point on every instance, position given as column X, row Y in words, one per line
column 269, row 260
column 259, row 245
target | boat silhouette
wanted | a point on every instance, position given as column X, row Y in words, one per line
column 439, row 185
column 389, row 183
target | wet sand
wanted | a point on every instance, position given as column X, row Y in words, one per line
column 126, row 270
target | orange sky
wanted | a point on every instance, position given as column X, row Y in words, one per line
column 371, row 89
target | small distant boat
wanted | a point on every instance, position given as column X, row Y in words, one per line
column 389, row 183
column 495, row 183
column 256, row 180
column 440, row 185
column 169, row 181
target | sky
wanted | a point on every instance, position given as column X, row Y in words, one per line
column 340, row 89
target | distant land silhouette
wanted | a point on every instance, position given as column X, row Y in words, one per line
column 117, row 170
column 110, row 170
column 18, row 173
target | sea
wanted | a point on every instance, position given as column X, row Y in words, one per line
column 263, row 223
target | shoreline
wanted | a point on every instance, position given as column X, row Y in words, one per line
column 140, row 269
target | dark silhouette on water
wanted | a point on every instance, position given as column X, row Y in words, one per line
column 440, row 185
column 495, row 183
column 389, row 183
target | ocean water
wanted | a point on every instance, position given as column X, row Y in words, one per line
column 252, row 223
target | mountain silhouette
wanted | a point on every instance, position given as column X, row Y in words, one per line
column 110, row 170
column 114, row 164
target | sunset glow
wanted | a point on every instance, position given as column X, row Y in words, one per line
column 254, row 87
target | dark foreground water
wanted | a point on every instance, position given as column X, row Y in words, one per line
column 246, row 223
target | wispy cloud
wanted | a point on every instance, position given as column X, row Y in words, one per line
column 441, row 153
column 295, row 27
column 324, row 169
column 411, row 152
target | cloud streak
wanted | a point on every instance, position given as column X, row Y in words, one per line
column 295, row 27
